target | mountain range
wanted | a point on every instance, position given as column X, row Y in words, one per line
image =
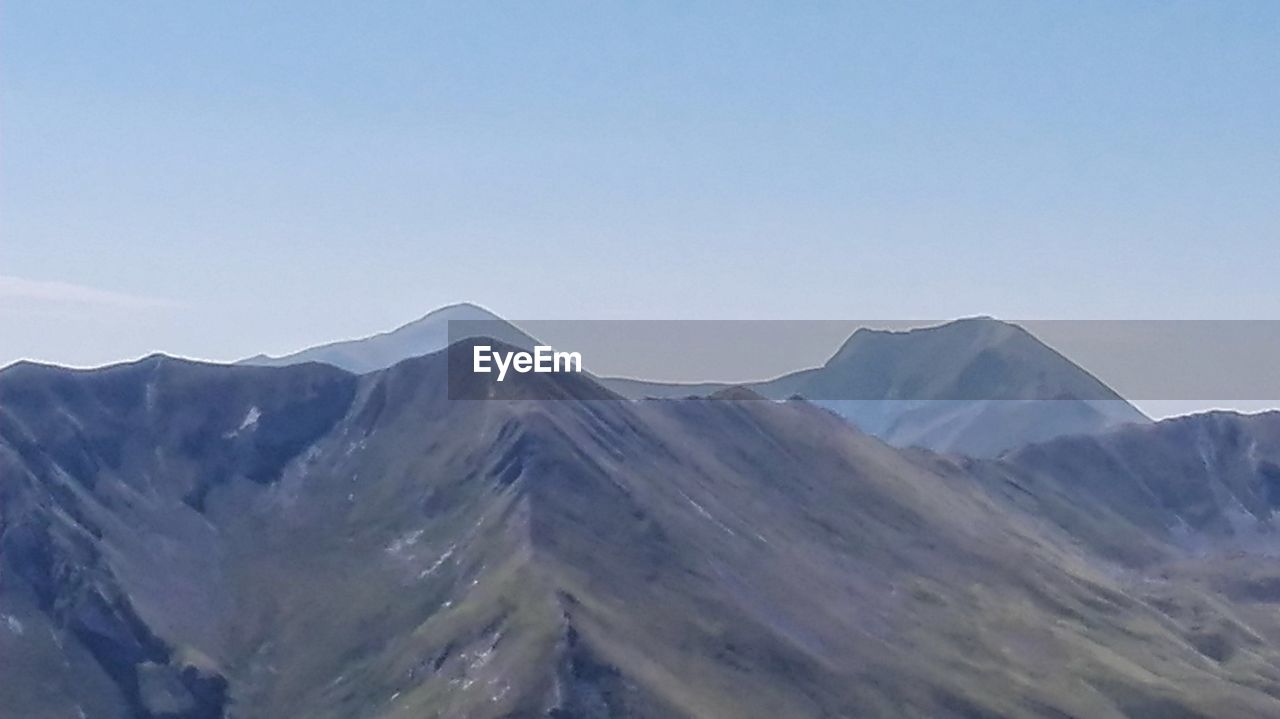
column 188, row 540
column 976, row 386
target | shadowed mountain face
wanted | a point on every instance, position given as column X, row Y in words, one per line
column 1195, row 478
column 186, row 540
column 111, row 574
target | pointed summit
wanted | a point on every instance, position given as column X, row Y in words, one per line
column 977, row 385
column 425, row 335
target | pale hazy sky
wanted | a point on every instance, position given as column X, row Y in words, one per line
column 224, row 178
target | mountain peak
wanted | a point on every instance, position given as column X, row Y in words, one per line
column 453, row 312
column 976, row 385
column 425, row 335
column 977, row 328
column 971, row 358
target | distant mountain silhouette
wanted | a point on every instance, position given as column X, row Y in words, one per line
column 977, row 386
column 422, row 336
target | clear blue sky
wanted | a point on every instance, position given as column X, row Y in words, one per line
column 218, row 179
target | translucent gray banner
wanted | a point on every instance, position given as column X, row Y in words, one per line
column 970, row 359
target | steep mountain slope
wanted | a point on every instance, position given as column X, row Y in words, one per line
column 977, row 386
column 185, row 540
column 106, row 560
column 422, row 336
column 1201, row 479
